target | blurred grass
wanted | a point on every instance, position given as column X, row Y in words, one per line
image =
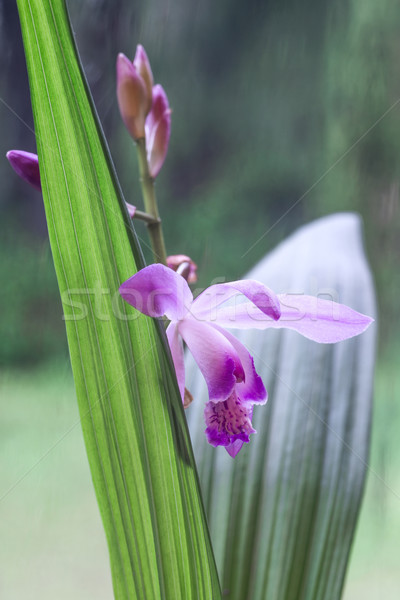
column 52, row 539
column 31, row 330
column 375, row 561
column 53, row 544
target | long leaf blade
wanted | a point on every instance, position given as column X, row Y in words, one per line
column 134, row 428
column 282, row 514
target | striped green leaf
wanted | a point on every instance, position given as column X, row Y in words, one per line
column 282, row 514
column 132, row 418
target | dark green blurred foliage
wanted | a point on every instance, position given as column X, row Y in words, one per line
column 362, row 113
column 31, row 326
column 280, row 115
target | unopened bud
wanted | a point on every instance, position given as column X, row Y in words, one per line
column 26, row 165
column 183, row 265
column 183, row 270
column 158, row 130
column 142, row 65
column 131, row 209
column 132, row 97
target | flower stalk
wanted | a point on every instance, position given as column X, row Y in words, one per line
column 150, row 204
column 144, row 216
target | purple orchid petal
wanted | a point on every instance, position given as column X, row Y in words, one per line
column 156, row 291
column 204, row 307
column 26, row 165
column 228, row 423
column 317, row 319
column 215, row 356
column 234, row 449
column 176, row 347
column 251, row 389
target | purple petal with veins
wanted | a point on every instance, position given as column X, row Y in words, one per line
column 156, row 291
column 317, row 319
column 205, row 305
column 216, row 357
column 251, row 389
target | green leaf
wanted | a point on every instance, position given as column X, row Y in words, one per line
column 132, row 418
column 282, row 514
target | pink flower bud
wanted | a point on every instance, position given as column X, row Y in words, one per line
column 132, row 97
column 158, row 130
column 183, row 265
column 131, row 209
column 142, row 65
column 26, row 165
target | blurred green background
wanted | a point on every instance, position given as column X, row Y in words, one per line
column 282, row 112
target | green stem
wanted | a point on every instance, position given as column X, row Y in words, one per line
column 144, row 216
column 150, row 204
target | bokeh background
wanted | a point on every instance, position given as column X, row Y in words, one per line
column 282, row 112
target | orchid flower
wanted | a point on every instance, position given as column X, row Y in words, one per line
column 26, row 165
column 234, row 386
